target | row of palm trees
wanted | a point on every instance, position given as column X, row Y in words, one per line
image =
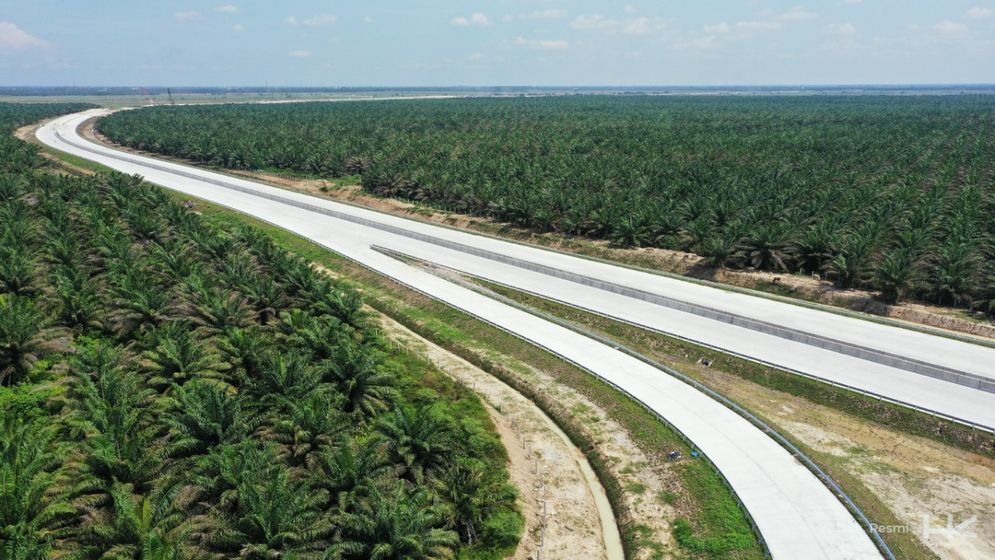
column 172, row 389
column 881, row 193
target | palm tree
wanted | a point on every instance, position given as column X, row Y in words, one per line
column 178, row 356
column 319, row 335
column 32, row 513
column 206, row 414
column 419, row 439
column 349, row 471
column 305, row 427
column 134, row 527
column 358, row 372
column 18, row 271
column 767, row 248
column 217, row 309
column 139, row 304
column 275, row 517
column 215, row 477
column 79, row 305
column 474, row 492
column 242, row 348
column 394, row 527
column 288, row 375
column 895, row 274
column 24, row 338
column 343, row 303
column 114, row 416
column 954, row 272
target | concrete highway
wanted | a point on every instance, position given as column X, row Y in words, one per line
column 796, row 514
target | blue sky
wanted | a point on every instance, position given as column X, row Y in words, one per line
column 495, row 42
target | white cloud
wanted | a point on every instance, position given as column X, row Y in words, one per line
column 478, row 19
column 227, row 9
column 950, row 27
column 187, row 16
column 594, row 22
column 717, row 28
column 546, row 44
column 630, row 9
column 238, row 28
column 300, row 53
column 841, row 29
column 979, row 13
column 548, row 14
column 314, row 21
column 758, row 25
column 797, row 14
column 632, row 26
column 473, row 57
column 368, row 19
column 643, row 25
column 707, row 43
column 537, row 15
column 13, row 38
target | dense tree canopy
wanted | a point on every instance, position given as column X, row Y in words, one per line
column 173, row 389
column 884, row 192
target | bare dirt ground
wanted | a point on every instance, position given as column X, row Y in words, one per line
column 647, row 480
column 553, row 477
column 912, row 476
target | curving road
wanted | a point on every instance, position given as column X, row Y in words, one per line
column 796, row 514
column 948, row 377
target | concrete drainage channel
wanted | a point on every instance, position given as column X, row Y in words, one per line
column 845, row 499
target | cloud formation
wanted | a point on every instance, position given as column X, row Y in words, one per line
column 227, row 9
column 300, row 53
column 545, row 44
column 320, row 20
column 950, row 27
column 979, row 13
column 478, row 19
column 13, row 38
column 187, row 16
column 630, row 26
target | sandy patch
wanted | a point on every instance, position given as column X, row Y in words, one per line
column 912, row 476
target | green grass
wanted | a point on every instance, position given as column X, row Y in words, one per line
column 714, row 515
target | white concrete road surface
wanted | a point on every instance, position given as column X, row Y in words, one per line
column 797, row 516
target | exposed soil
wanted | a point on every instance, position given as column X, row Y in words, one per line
column 912, row 476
